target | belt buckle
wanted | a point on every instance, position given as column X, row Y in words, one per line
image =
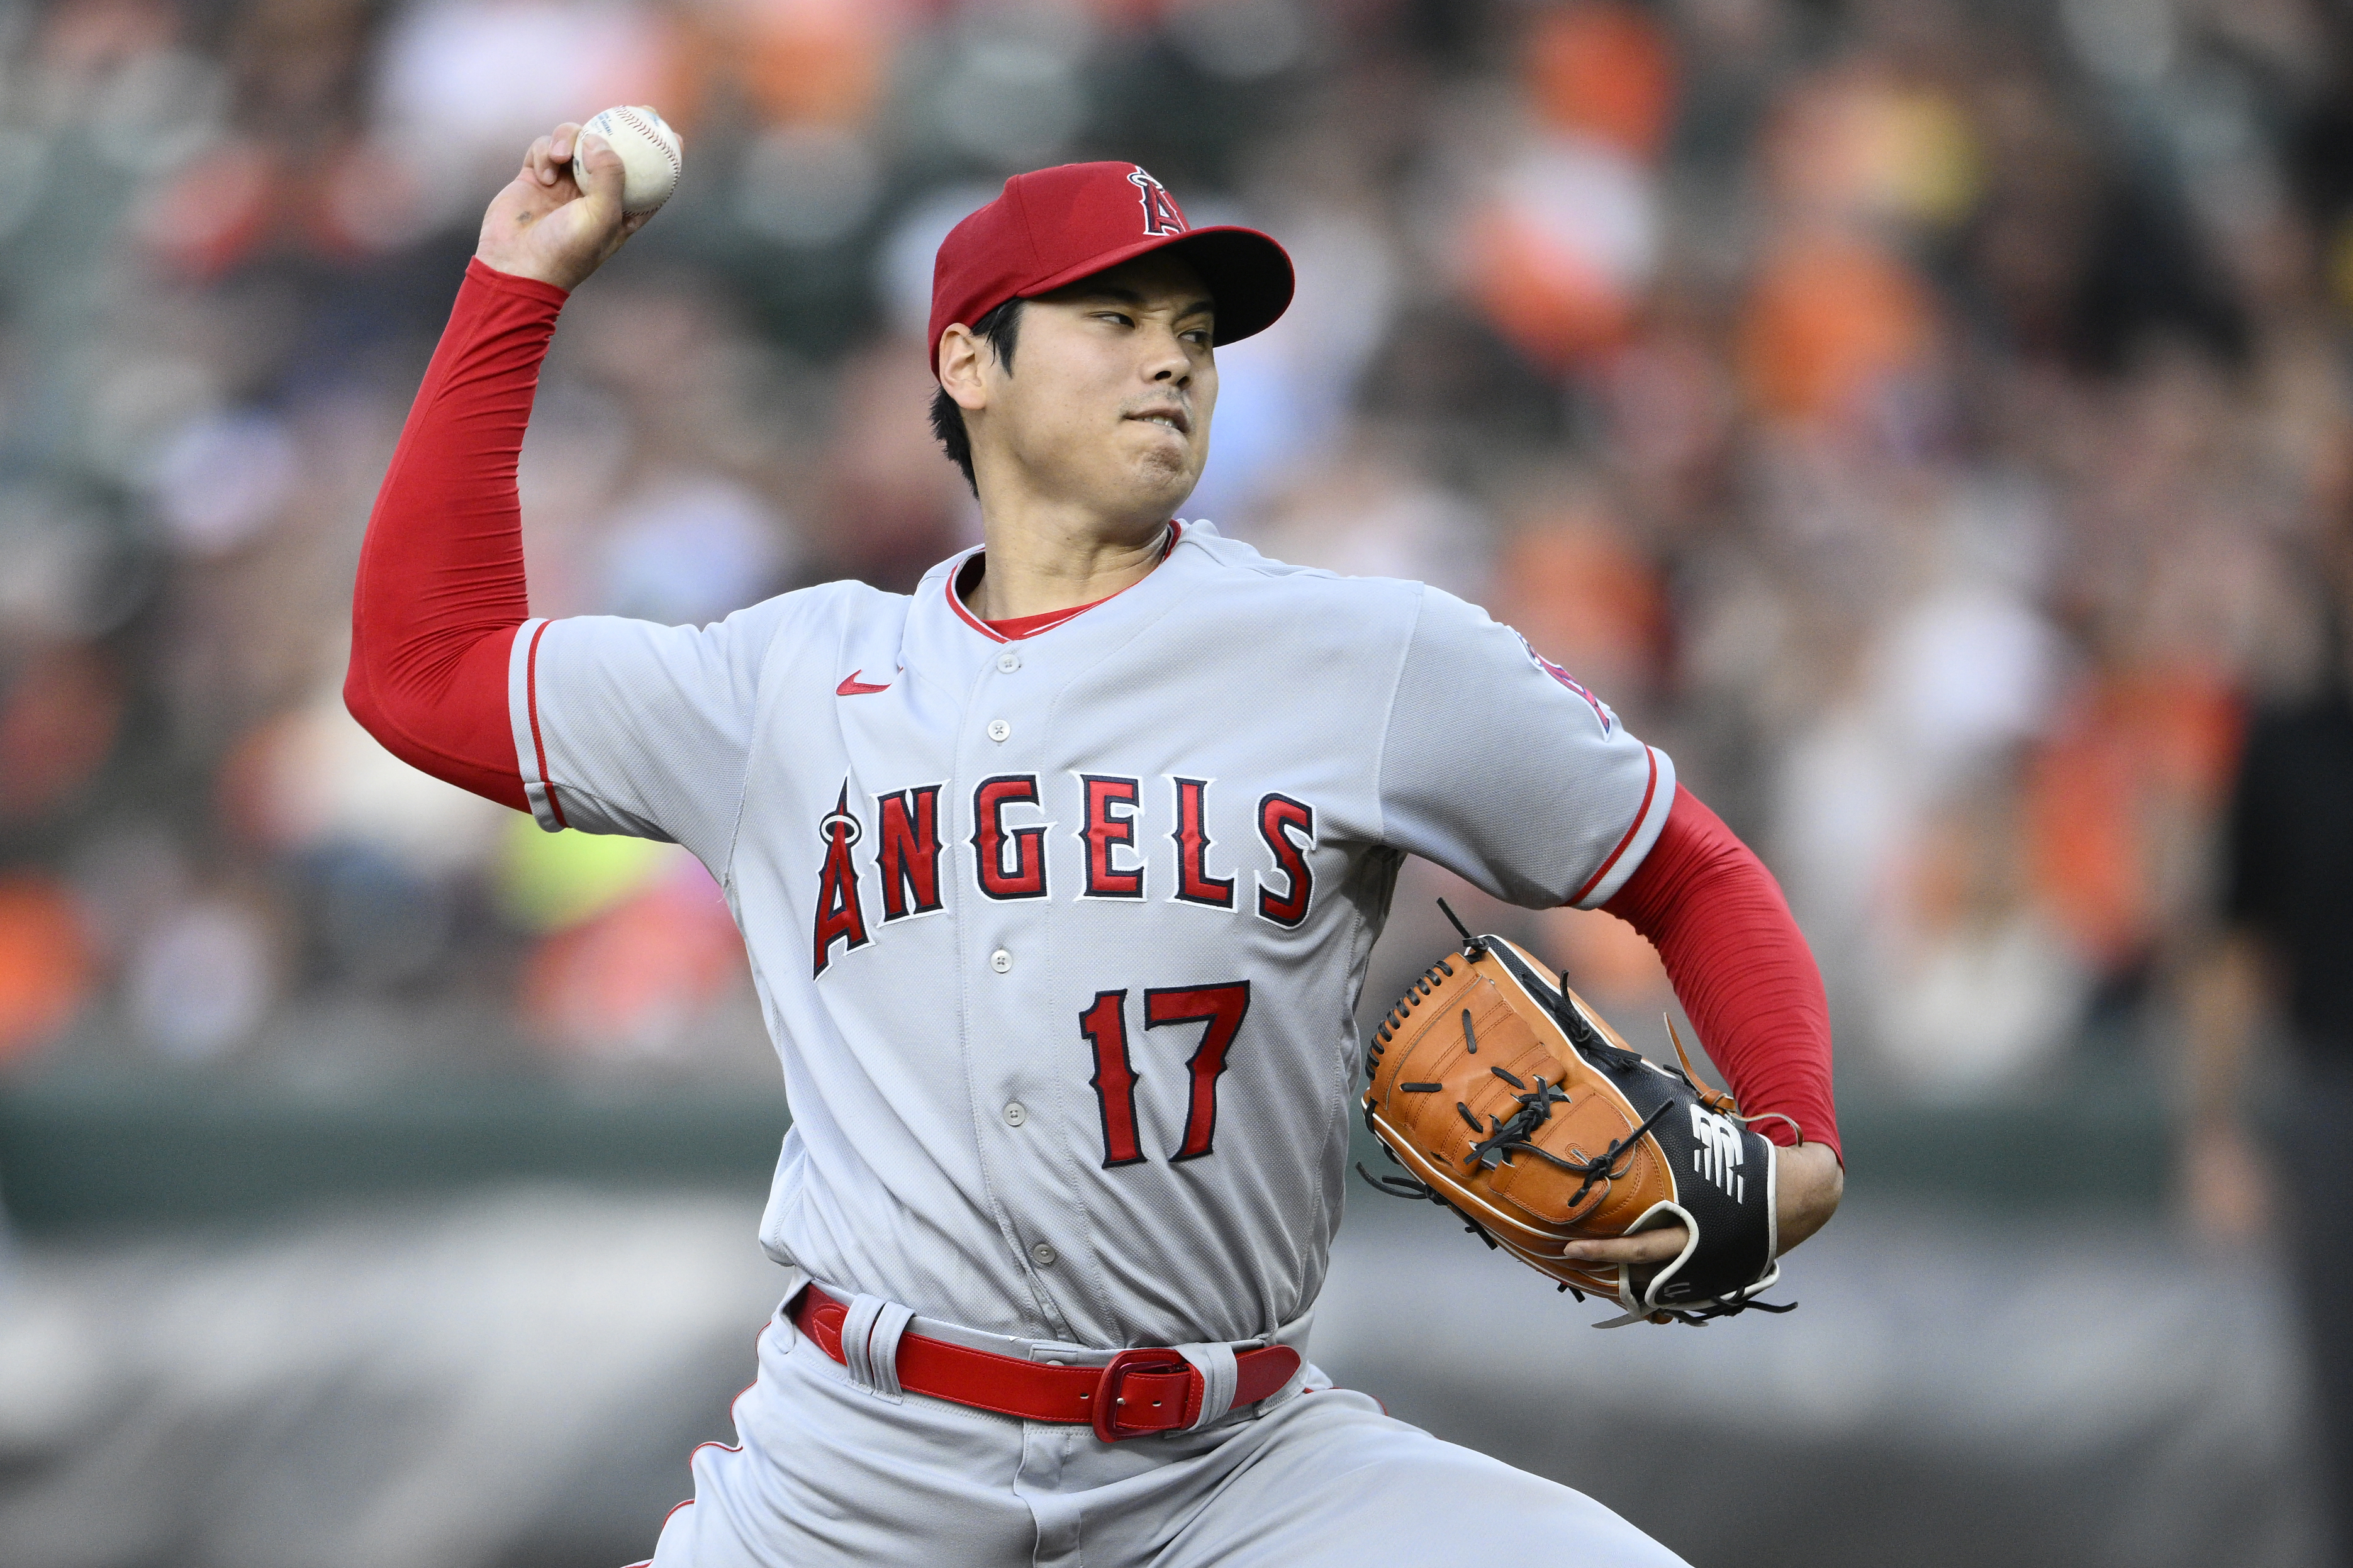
column 1108, row 1402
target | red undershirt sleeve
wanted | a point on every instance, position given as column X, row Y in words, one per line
column 440, row 588
column 1740, row 967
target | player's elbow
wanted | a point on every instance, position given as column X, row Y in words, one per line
column 359, row 701
column 378, row 706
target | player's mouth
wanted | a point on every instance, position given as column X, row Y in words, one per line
column 1168, row 416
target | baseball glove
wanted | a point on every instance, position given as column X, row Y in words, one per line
column 1507, row 1100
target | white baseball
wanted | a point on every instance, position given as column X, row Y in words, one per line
column 652, row 155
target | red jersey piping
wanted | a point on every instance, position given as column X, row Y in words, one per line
column 955, row 602
column 1649, row 791
column 531, row 705
column 1020, row 626
column 989, row 628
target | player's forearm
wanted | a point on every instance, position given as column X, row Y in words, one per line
column 1740, row 967
column 440, row 588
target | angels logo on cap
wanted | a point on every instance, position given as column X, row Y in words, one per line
column 1161, row 213
column 1052, row 226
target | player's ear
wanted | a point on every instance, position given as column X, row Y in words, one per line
column 960, row 357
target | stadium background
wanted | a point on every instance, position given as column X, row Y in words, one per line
column 1921, row 419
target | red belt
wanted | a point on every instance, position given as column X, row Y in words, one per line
column 1141, row 1392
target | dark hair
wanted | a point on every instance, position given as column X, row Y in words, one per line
column 1000, row 329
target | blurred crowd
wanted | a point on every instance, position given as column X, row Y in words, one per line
column 1919, row 418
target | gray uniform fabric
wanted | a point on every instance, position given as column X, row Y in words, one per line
column 1318, row 1475
column 1059, row 940
column 1374, row 718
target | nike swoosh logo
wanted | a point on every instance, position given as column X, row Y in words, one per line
column 853, row 686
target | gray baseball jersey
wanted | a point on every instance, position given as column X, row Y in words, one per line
column 1059, row 940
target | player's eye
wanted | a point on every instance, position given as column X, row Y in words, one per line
column 1119, row 317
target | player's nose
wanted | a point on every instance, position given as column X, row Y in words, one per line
column 1166, row 361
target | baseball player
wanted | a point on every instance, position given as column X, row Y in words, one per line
column 1058, row 877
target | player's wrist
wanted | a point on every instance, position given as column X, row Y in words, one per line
column 482, row 269
column 513, row 250
column 1808, row 1185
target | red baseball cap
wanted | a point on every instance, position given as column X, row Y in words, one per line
column 1053, row 227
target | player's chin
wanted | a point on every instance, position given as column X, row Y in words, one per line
column 1162, row 477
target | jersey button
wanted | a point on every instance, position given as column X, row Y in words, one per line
column 1009, row 661
column 999, row 730
column 1015, row 1113
column 1000, row 961
column 1046, row 1257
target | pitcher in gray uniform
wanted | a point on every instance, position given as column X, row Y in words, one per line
column 1058, row 878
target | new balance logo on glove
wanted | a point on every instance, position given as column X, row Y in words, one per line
column 1718, row 1156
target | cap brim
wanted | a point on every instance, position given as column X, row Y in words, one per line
column 1248, row 273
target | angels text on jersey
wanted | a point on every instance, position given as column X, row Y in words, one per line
column 899, row 875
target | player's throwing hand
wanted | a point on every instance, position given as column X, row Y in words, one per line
column 543, row 225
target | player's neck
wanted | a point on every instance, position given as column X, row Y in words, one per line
column 1041, row 561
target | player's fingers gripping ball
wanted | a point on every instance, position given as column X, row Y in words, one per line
column 653, row 156
column 1508, row 1099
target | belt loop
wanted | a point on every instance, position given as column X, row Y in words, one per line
column 869, row 1345
column 1219, row 1377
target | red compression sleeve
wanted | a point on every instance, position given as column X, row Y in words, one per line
column 441, row 589
column 1739, row 966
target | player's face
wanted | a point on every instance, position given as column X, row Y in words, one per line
column 1108, row 406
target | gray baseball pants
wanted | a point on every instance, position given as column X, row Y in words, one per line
column 829, row 1472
